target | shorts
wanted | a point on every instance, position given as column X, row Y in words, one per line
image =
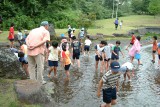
column 86, row 48
column 109, row 94
column 76, row 55
column 23, row 61
column 67, row 67
column 52, row 63
column 114, row 57
column 11, row 40
column 153, row 51
column 81, row 37
column 97, row 58
column 159, row 57
column 107, row 59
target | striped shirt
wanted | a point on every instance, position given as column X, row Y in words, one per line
column 110, row 80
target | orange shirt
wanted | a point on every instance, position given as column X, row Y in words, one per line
column 155, row 46
column 36, row 36
column 65, row 55
column 11, row 33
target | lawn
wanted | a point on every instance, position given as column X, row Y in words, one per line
column 106, row 26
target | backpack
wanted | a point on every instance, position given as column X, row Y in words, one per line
column 76, row 47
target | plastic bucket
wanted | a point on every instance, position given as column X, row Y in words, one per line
column 137, row 56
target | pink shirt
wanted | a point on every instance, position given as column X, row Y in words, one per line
column 135, row 48
column 35, row 37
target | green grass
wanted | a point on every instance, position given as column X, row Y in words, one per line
column 106, row 26
column 8, row 97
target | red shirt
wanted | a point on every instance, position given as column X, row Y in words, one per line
column 133, row 39
column 11, row 33
column 155, row 46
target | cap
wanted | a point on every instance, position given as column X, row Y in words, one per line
column 44, row 23
column 82, row 29
column 74, row 29
column 115, row 66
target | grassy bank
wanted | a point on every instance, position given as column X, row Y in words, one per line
column 106, row 26
column 8, row 97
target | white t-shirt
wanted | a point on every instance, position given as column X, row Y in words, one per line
column 99, row 49
column 128, row 65
column 53, row 54
column 120, row 23
column 87, row 42
column 19, row 35
column 107, row 50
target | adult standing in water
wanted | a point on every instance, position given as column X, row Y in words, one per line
column 116, row 23
column 11, row 35
column 35, row 42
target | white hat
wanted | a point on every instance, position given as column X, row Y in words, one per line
column 74, row 29
column 82, row 29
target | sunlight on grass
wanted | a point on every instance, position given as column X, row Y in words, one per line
column 106, row 26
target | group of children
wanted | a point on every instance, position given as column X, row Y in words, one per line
column 106, row 54
column 110, row 80
column 64, row 51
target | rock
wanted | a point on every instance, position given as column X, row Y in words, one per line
column 33, row 92
column 118, row 35
column 10, row 67
column 52, row 31
column 7, row 45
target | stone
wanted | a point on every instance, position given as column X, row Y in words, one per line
column 33, row 92
column 52, row 31
column 10, row 67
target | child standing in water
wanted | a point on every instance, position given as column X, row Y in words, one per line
column 126, row 69
column 110, row 84
column 154, row 48
column 99, row 50
column 76, row 45
column 158, row 55
column 87, row 43
column 107, row 56
column 66, row 60
column 135, row 50
column 115, row 51
column 54, row 52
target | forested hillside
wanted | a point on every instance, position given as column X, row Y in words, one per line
column 29, row 13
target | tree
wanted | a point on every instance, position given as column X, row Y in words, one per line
column 154, row 7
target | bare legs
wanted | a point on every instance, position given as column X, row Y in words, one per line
column 52, row 69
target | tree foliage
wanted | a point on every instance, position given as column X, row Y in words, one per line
column 154, row 7
column 28, row 14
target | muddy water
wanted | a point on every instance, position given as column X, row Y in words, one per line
column 80, row 91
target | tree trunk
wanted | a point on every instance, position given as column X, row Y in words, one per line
column 113, row 10
column 117, row 10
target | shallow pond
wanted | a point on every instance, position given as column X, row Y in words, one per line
column 80, row 91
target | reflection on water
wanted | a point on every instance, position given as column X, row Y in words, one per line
column 80, row 91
